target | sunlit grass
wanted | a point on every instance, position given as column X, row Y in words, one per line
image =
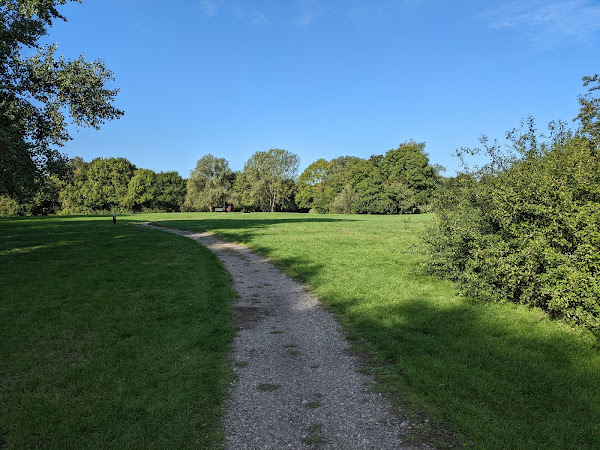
column 114, row 336
column 111, row 336
column 502, row 375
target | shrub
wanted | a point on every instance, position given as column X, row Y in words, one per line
column 8, row 206
column 526, row 227
column 345, row 201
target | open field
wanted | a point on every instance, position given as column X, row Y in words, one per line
column 115, row 335
column 112, row 336
column 503, row 375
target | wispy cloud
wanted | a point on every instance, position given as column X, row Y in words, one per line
column 250, row 15
column 208, row 7
column 258, row 18
column 578, row 19
column 309, row 11
column 301, row 14
column 377, row 13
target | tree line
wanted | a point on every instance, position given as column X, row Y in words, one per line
column 42, row 94
column 401, row 181
column 101, row 186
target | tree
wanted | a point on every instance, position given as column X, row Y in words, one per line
column 268, row 176
column 240, row 194
column 209, row 184
column 409, row 164
column 142, row 190
column 171, row 189
column 8, row 206
column 311, row 184
column 589, row 113
column 46, row 199
column 70, row 197
column 345, row 201
column 338, row 175
column 114, row 184
column 40, row 95
column 377, row 185
column 105, row 184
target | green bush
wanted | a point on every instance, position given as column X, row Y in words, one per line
column 8, row 206
column 525, row 228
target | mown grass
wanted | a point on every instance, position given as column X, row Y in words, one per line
column 111, row 336
column 504, row 376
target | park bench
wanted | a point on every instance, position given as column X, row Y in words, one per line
column 218, row 209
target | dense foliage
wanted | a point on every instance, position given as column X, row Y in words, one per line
column 40, row 96
column 526, row 227
column 209, row 184
column 402, row 181
column 268, row 181
column 106, row 185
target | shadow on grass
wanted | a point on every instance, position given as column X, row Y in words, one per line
column 236, row 231
column 50, row 232
column 112, row 336
column 243, row 230
column 242, row 227
column 509, row 383
column 507, row 379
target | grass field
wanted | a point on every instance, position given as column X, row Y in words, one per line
column 502, row 375
column 114, row 336
column 111, row 336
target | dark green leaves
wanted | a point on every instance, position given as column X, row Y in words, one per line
column 42, row 94
column 525, row 227
column 402, row 181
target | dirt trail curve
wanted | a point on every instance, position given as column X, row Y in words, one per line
column 298, row 386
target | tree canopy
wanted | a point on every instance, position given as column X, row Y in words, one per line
column 111, row 185
column 402, row 181
column 41, row 95
column 270, row 178
column 209, row 184
column 142, row 190
column 311, row 184
column 170, row 191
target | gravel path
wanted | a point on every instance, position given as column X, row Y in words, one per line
column 297, row 385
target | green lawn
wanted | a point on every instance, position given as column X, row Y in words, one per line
column 111, row 336
column 115, row 336
column 502, row 375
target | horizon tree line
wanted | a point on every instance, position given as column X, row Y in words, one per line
column 401, row 181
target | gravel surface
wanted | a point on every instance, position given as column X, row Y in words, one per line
column 297, row 385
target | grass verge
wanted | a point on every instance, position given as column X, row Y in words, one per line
column 112, row 336
column 504, row 376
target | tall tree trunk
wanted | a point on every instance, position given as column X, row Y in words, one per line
column 272, row 199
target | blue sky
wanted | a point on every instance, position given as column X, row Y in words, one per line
column 325, row 78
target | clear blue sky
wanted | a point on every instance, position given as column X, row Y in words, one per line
column 324, row 78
